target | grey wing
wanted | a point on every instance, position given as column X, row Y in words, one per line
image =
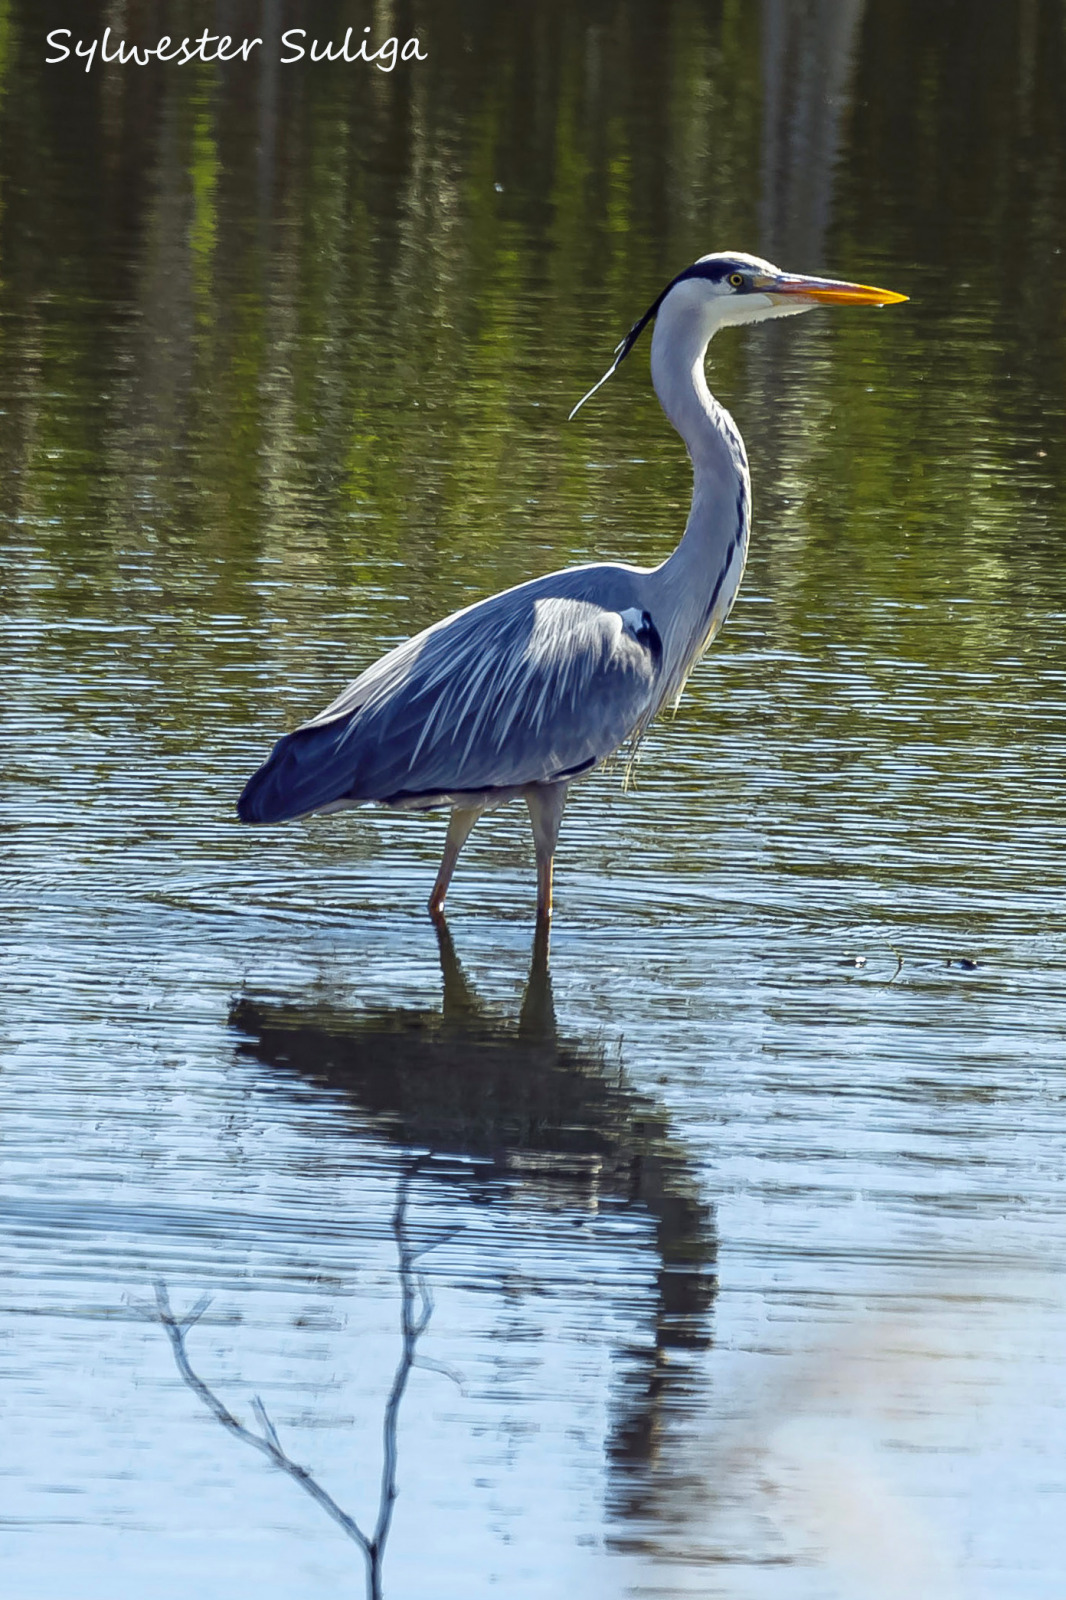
column 520, row 689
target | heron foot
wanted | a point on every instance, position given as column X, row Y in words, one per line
column 459, row 825
column 545, row 802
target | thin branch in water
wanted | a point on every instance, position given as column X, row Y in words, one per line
column 413, row 1323
column 435, row 1244
column 269, row 1430
column 193, row 1316
column 411, row 1327
column 899, row 966
column 267, row 1442
column 429, row 1364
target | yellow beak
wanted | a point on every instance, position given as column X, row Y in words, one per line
column 825, row 291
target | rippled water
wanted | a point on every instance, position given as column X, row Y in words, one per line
column 743, row 1214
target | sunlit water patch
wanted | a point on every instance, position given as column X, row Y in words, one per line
column 743, row 1216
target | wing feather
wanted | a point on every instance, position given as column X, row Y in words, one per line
column 523, row 688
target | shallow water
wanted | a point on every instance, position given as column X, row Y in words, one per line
column 743, row 1215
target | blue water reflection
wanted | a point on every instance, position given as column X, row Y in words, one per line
column 751, row 1215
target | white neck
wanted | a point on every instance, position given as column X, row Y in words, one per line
column 700, row 580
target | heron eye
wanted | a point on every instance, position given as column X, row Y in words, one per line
column 736, row 279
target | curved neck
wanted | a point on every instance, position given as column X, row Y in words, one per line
column 701, row 578
column 678, row 351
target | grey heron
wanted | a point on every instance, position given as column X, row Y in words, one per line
column 519, row 694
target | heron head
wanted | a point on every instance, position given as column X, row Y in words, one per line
column 737, row 288
column 728, row 288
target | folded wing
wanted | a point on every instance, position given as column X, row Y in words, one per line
column 523, row 688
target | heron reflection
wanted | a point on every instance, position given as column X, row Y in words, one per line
column 535, row 1117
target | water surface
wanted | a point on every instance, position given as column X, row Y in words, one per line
column 744, row 1215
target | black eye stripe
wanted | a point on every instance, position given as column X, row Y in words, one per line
column 715, row 271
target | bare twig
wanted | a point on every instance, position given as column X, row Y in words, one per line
column 266, row 1443
column 412, row 1325
column 428, row 1364
column 899, row 966
column 416, row 1308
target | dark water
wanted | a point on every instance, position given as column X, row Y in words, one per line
column 744, row 1218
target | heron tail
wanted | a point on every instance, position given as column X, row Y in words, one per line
column 299, row 776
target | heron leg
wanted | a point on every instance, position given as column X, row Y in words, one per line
column 459, row 825
column 545, row 802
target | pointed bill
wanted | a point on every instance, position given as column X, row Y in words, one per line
column 825, row 291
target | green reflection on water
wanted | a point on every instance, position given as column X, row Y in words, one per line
column 299, row 346
column 285, row 363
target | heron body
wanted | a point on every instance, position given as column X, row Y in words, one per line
column 521, row 693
